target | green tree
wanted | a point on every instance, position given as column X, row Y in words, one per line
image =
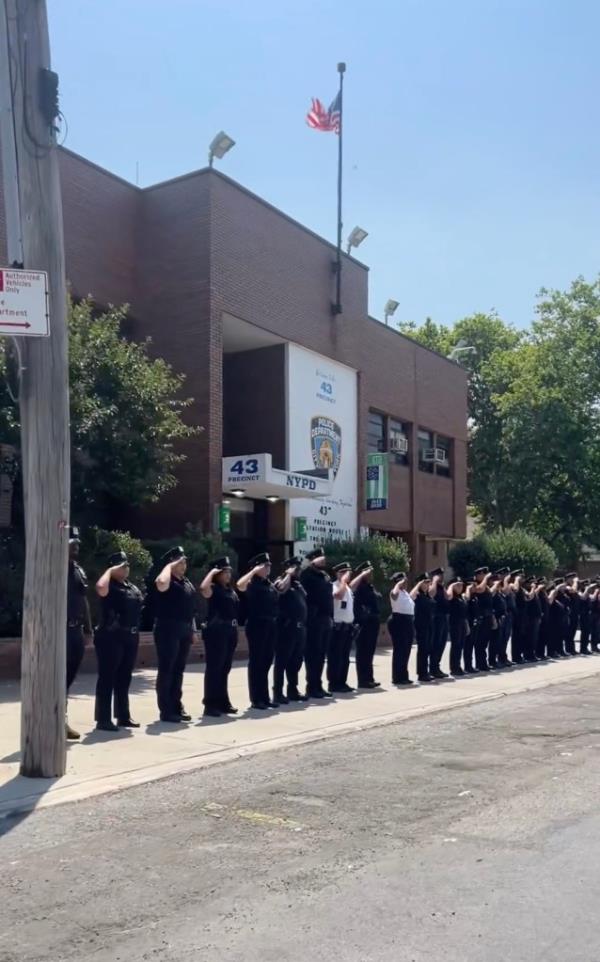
column 126, row 414
column 534, row 416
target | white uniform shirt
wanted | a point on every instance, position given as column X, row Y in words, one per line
column 343, row 608
column 403, row 604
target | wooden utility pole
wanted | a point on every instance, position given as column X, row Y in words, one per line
column 35, row 241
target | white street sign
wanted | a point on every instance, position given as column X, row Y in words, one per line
column 24, row 303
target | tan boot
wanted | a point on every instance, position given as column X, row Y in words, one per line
column 71, row 734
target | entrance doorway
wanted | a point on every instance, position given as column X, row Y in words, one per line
column 258, row 525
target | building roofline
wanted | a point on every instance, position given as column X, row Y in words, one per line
column 210, row 171
column 413, row 340
column 102, row 170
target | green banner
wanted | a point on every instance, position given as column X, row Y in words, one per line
column 377, row 482
column 300, row 529
column 224, row 518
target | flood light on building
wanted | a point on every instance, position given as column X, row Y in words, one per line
column 238, row 492
column 219, row 146
column 355, row 238
column 390, row 308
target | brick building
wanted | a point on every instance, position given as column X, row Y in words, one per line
column 237, row 296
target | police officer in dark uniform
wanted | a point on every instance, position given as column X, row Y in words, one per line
column 319, row 597
column 79, row 621
column 533, row 620
column 116, row 641
column 498, row 640
column 262, row 606
column 571, row 595
column 485, row 616
column 542, row 643
column 472, row 614
column 440, row 622
column 558, row 619
column 458, row 624
column 424, row 610
column 584, row 617
column 176, row 606
column 367, row 605
column 220, row 637
column 595, row 617
column 518, row 616
column 291, row 633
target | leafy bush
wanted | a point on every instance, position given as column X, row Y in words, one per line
column 12, row 572
column 386, row 555
column 505, row 547
column 199, row 547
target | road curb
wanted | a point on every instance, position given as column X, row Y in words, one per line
column 108, row 784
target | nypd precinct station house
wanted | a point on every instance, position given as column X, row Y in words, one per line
column 315, row 426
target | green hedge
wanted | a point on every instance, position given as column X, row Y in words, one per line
column 505, row 547
column 387, row 555
column 199, row 547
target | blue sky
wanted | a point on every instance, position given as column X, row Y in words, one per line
column 472, row 135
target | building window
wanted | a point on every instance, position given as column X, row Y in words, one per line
column 442, row 455
column 398, row 440
column 376, row 432
column 426, row 451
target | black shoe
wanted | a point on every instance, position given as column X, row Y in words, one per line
column 584, row 651
column 471, row 671
column 184, row 715
column 128, row 723
column 405, row 681
column 211, row 713
column 271, row 704
column 325, row 694
column 229, row 710
column 483, row 667
column 316, row 694
column 425, row 678
column 259, row 705
column 172, row 719
column 347, row 689
column 457, row 672
column 280, row 698
column 295, row 695
column 438, row 673
column 505, row 663
column 106, row 727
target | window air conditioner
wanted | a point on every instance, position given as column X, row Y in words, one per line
column 440, row 456
column 399, row 445
column 429, row 455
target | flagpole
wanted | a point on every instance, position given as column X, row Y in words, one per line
column 337, row 307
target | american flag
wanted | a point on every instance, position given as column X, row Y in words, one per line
column 319, row 118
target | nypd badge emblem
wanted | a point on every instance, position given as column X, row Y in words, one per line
column 326, row 443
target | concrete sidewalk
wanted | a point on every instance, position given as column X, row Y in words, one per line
column 103, row 762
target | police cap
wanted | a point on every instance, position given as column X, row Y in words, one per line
column 315, row 554
column 501, row 572
column 364, row 566
column 294, row 562
column 118, row 558
column 173, row 554
column 342, row 566
column 423, row 577
column 398, row 576
column 484, row 570
column 436, row 572
column 264, row 558
column 74, row 536
column 571, row 574
column 221, row 564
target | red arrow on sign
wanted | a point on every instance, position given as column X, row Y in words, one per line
column 14, row 324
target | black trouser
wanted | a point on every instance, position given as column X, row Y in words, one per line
column 289, row 654
column 595, row 632
column 570, row 636
column 338, row 655
column 173, row 640
column 556, row 637
column 506, row 629
column 220, row 640
column 542, row 640
column 438, row 640
column 261, row 634
column 458, row 634
column 424, row 634
column 317, row 644
column 402, row 633
column 531, row 636
column 366, row 643
column 482, row 640
column 517, row 646
column 584, row 638
column 116, row 652
column 75, row 650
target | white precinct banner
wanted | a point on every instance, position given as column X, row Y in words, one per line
column 322, row 433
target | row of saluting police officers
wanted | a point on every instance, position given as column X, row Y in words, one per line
column 306, row 616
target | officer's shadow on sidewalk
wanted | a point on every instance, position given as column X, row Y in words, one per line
column 95, row 737
column 19, row 797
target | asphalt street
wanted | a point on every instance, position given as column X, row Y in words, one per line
column 471, row 835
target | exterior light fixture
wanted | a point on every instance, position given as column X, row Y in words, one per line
column 460, row 350
column 238, row 492
column 219, row 146
column 355, row 238
column 272, row 498
column 389, row 309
